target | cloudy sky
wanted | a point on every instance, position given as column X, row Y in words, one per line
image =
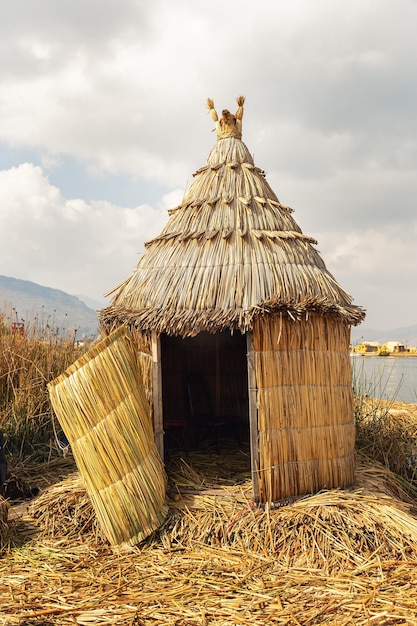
column 103, row 122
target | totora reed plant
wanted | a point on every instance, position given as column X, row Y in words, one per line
column 386, row 430
column 28, row 361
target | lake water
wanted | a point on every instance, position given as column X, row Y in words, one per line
column 388, row 378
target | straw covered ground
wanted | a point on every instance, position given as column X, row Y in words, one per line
column 337, row 557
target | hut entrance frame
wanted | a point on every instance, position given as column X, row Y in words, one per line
column 222, row 361
column 296, row 381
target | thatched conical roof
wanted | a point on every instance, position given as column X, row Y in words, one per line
column 229, row 251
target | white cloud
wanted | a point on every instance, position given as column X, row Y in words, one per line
column 72, row 245
column 330, row 115
column 377, row 266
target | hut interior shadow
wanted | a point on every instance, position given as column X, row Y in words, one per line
column 205, row 393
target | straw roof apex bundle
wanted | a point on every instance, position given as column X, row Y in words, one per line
column 229, row 252
column 228, row 125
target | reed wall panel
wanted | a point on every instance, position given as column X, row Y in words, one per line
column 305, row 405
column 102, row 407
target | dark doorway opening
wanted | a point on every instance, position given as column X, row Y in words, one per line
column 206, row 365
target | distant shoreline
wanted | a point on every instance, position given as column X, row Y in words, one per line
column 393, row 407
column 401, row 355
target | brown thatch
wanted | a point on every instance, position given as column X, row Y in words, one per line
column 229, row 252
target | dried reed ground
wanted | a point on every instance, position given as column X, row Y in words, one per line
column 338, row 557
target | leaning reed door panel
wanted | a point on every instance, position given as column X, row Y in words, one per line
column 101, row 404
column 305, row 406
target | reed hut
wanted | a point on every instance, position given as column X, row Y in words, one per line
column 232, row 291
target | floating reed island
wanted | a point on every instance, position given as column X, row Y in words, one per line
column 335, row 557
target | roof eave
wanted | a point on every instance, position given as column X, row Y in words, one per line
column 188, row 323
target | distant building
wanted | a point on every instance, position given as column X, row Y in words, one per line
column 18, row 328
column 374, row 347
column 367, row 347
column 393, row 347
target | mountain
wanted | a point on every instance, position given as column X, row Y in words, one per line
column 91, row 303
column 22, row 300
column 406, row 335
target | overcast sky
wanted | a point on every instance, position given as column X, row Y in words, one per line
column 103, row 122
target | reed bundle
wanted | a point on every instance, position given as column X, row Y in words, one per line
column 332, row 529
column 65, row 510
column 375, row 477
column 102, row 407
